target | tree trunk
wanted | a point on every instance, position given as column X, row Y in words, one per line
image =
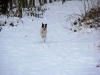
column 50, row 1
column 33, row 3
column 40, row 2
column 20, row 7
column 30, row 2
column 26, row 3
column 63, row 1
column 98, row 3
column 23, row 3
column 45, row 1
column 85, row 7
column 10, row 4
column 4, row 6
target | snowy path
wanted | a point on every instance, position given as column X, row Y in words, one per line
column 23, row 52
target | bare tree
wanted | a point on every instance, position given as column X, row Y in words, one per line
column 98, row 3
column 50, row 1
column 33, row 3
column 40, row 2
column 10, row 1
column 63, row 1
column 45, row 1
column 4, row 4
column 23, row 3
column 85, row 6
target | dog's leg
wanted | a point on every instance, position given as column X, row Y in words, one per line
column 44, row 39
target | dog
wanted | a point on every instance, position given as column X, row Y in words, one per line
column 43, row 31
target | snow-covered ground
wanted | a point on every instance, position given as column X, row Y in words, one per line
column 23, row 52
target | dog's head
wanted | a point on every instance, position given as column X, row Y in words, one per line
column 44, row 26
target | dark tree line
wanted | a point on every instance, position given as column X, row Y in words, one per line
column 4, row 5
column 21, row 4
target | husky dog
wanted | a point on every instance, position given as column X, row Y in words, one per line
column 43, row 31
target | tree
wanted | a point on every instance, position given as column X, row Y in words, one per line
column 50, row 1
column 33, row 3
column 63, row 1
column 45, row 1
column 40, row 2
column 10, row 1
column 98, row 3
column 23, row 3
column 4, row 4
column 26, row 4
column 30, row 2
column 20, row 7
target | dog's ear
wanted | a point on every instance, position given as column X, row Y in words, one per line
column 45, row 25
column 42, row 25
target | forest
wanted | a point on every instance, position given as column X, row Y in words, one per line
column 36, row 8
column 8, row 5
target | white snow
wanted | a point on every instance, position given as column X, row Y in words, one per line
column 23, row 51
